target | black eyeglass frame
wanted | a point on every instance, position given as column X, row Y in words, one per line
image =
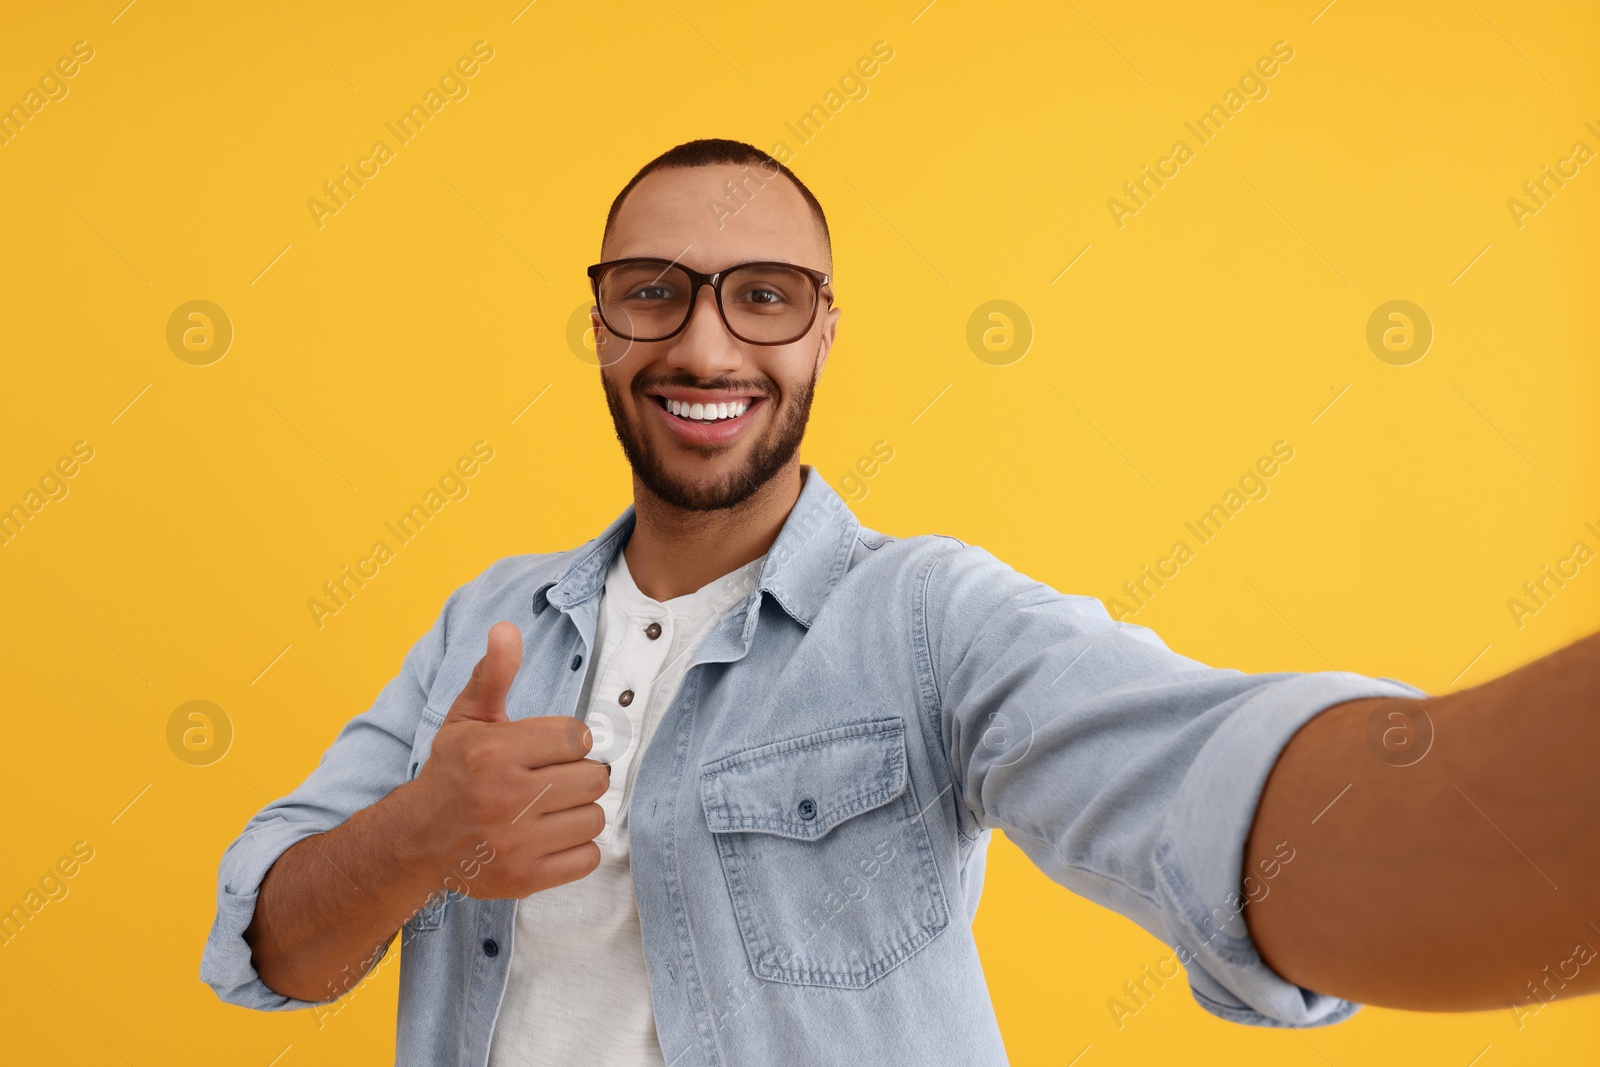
column 698, row 281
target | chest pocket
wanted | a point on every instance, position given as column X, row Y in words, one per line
column 827, row 857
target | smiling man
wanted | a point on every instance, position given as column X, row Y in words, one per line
column 716, row 787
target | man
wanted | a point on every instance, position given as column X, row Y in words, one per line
column 768, row 844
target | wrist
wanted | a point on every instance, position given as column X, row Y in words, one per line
column 418, row 855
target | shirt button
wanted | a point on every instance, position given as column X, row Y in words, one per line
column 577, row 661
column 808, row 808
column 653, row 631
column 491, row 948
column 626, row 698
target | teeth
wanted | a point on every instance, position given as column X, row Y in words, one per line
column 707, row 412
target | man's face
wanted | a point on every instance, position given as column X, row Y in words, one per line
column 700, row 465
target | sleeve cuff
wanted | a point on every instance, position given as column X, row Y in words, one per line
column 1200, row 858
column 226, row 964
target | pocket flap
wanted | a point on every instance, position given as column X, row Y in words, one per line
column 805, row 786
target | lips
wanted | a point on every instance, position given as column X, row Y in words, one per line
column 676, row 409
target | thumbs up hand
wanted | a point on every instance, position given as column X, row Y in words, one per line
column 522, row 788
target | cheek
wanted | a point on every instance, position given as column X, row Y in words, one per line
column 793, row 377
column 619, row 399
column 635, row 408
column 611, row 350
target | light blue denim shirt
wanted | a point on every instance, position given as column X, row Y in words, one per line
column 810, row 821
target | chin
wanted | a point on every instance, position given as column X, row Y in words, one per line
column 703, row 489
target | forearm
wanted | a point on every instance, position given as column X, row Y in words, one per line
column 1465, row 880
column 330, row 901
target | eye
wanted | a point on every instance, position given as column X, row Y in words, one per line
column 763, row 294
column 769, row 289
column 651, row 292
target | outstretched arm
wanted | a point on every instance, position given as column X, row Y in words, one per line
column 1127, row 773
column 1466, row 879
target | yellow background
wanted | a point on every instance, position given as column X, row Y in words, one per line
column 1229, row 313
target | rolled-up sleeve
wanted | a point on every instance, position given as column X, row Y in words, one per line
column 367, row 760
column 1126, row 772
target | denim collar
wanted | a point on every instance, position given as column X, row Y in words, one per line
column 809, row 556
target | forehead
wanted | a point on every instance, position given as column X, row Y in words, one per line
column 690, row 214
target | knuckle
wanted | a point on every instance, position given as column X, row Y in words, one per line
column 538, row 800
column 577, row 737
column 527, row 879
column 539, row 874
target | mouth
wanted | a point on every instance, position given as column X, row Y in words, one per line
column 706, row 419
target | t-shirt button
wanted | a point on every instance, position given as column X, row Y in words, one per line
column 625, row 698
column 653, row 631
column 491, row 948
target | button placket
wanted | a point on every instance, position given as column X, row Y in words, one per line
column 630, row 689
column 646, row 711
column 647, row 658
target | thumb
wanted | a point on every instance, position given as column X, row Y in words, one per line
column 483, row 699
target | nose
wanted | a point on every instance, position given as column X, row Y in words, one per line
column 705, row 348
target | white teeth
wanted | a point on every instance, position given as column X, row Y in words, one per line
column 707, row 412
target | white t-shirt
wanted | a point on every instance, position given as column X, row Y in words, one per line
column 578, row 990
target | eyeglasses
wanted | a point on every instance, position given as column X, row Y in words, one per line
column 764, row 303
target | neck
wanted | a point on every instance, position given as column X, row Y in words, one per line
column 673, row 552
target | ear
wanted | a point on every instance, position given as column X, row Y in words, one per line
column 825, row 343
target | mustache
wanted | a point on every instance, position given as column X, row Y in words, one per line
column 755, row 386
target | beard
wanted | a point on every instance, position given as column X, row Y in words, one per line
column 768, row 455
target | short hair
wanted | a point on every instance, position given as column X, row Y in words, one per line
column 709, row 152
